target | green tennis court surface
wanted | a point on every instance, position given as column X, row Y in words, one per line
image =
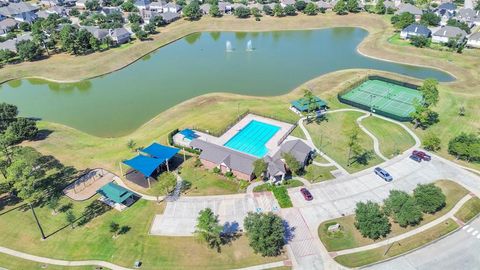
column 384, row 96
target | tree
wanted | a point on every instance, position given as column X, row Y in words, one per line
column 430, row 19
column 300, row 5
column 23, row 129
column 431, row 142
column 28, row 50
column 92, row 5
column 53, row 203
column 6, row 55
column 311, row 9
column 278, row 10
column 402, row 20
column 380, row 7
column 70, row 217
column 430, row 92
column 24, row 26
column 429, row 198
column 340, row 8
column 259, row 167
column 352, row 6
column 465, row 146
column 371, row 221
column 402, row 208
column 114, row 227
column 166, row 183
column 138, row 31
column 292, row 163
column 192, row 11
column 67, row 37
column 128, row 6
column 311, row 101
column 74, row 12
column 256, row 12
column 266, row 233
column 135, row 18
column 423, row 116
column 242, row 12
column 420, row 41
column 150, row 28
column 215, row 11
column 208, row 228
column 477, row 6
column 8, row 115
column 290, row 10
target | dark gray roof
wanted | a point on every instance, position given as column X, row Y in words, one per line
column 323, row 4
column 410, row 9
column 450, row 32
column 119, row 32
column 389, row 4
column 275, row 166
column 205, row 7
column 218, row 154
column 417, row 29
column 11, row 44
column 297, row 148
column 169, row 16
column 142, row 3
column 96, row 31
column 448, row 6
column 7, row 24
column 467, row 14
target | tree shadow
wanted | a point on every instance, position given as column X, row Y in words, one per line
column 42, row 135
column 230, row 232
column 289, row 231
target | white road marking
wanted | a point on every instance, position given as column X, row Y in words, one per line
column 474, row 233
column 478, row 236
column 470, row 230
column 465, row 227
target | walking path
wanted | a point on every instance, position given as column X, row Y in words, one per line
column 427, row 226
column 265, row 266
column 60, row 262
column 376, row 144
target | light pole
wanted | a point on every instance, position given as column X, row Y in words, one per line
column 371, row 103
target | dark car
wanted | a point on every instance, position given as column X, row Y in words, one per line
column 306, row 194
column 383, row 174
column 422, row 155
column 415, row 158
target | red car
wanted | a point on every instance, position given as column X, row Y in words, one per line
column 306, row 194
column 422, row 155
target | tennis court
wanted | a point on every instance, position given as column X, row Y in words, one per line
column 382, row 96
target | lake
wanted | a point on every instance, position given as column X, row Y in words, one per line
column 116, row 104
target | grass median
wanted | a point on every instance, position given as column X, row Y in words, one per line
column 469, row 210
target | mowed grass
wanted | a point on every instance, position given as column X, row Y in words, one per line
column 94, row 241
column 315, row 174
column 469, row 210
column 351, row 237
column 331, row 137
column 397, row 248
column 12, row 262
column 205, row 182
column 392, row 137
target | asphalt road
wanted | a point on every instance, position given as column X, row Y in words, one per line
column 459, row 250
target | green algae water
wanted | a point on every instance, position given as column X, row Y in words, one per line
column 262, row 64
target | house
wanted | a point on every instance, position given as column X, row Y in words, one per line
column 469, row 16
column 324, row 5
column 61, row 11
column 109, row 10
column 142, row 4
column 80, row 4
column 119, row 35
column 97, row 32
column 415, row 29
column 169, row 17
column 7, row 25
column 389, row 5
column 447, row 32
column 409, row 8
column 148, row 15
column 225, row 7
column 226, row 159
column 238, row 5
column 22, row 12
column 11, row 44
column 285, row 3
column 474, row 40
column 171, row 7
column 446, row 9
column 205, row 8
column 157, row 6
column 297, row 148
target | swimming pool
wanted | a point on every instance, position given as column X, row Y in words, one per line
column 252, row 138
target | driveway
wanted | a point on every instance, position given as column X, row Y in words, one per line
column 456, row 251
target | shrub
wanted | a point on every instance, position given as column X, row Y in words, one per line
column 281, row 194
column 429, row 198
column 229, row 174
column 217, row 170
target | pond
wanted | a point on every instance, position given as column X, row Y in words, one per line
column 262, row 64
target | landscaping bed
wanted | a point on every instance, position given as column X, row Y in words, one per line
column 268, row 187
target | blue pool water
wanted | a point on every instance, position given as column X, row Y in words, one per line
column 252, row 138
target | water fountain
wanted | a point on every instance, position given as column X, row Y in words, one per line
column 228, row 46
column 249, row 46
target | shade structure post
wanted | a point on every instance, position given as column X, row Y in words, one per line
column 121, row 169
column 166, row 162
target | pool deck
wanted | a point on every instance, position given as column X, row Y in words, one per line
column 87, row 185
column 272, row 144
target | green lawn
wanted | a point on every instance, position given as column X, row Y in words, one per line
column 331, row 137
column 298, row 132
column 267, row 186
column 11, row 262
column 94, row 241
column 206, row 182
column 350, row 237
column 397, row 40
column 393, row 138
column 397, row 248
column 469, row 210
column 314, row 173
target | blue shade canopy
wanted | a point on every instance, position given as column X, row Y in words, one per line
column 145, row 165
column 115, row 192
column 160, row 152
column 189, row 134
column 302, row 104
